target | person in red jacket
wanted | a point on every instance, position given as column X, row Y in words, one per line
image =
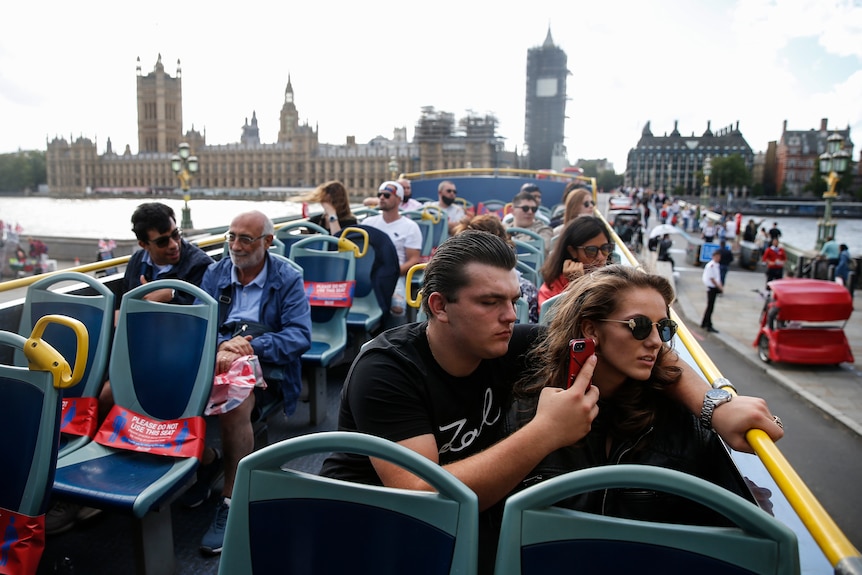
column 775, row 258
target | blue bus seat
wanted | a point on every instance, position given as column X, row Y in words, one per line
column 94, row 307
column 530, row 237
column 286, row 521
column 377, row 273
column 161, row 366
column 328, row 323
column 530, row 255
column 537, row 537
column 546, row 310
column 426, row 226
column 529, row 272
column 522, row 310
column 441, row 225
column 295, row 231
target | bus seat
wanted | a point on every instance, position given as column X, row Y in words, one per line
column 376, row 276
column 377, row 529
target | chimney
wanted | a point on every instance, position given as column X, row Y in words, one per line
column 784, row 126
column 823, row 124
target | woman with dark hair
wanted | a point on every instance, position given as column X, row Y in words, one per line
column 332, row 197
column 625, row 312
column 583, row 246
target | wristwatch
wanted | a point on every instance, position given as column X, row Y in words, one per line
column 333, row 218
column 712, row 399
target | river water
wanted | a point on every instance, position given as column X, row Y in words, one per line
column 109, row 218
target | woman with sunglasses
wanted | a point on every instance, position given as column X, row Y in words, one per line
column 583, row 246
column 578, row 203
column 624, row 311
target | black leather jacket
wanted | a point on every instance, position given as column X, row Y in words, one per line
column 676, row 440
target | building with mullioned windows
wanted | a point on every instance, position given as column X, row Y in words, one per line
column 673, row 163
column 297, row 161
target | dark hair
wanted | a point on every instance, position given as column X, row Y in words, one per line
column 152, row 216
column 594, row 297
column 522, row 196
column 335, row 193
column 445, row 272
column 577, row 232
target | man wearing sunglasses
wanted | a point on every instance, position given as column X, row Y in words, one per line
column 524, row 208
column 164, row 254
column 447, row 193
column 407, row 239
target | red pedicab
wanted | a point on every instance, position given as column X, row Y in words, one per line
column 792, row 327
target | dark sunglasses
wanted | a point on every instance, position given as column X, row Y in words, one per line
column 450, row 191
column 589, row 203
column 593, row 251
column 386, row 195
column 533, row 209
column 641, row 327
column 163, row 241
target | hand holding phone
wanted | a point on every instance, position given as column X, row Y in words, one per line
column 579, row 350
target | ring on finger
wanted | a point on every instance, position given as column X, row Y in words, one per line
column 777, row 421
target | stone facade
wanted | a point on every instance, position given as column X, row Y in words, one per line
column 674, row 163
column 798, row 154
column 297, row 161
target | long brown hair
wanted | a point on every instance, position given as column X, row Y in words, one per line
column 334, row 193
column 594, row 297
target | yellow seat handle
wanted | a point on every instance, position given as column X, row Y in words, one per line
column 431, row 213
column 41, row 356
column 345, row 245
column 411, row 301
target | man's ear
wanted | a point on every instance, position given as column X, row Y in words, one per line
column 144, row 245
column 437, row 303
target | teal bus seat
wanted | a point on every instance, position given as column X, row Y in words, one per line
column 537, row 537
column 530, row 255
column 546, row 310
column 440, row 221
column 522, row 310
column 94, row 307
column 529, row 272
column 286, row 521
column 295, row 231
column 530, row 237
column 161, row 366
column 426, row 226
column 328, row 323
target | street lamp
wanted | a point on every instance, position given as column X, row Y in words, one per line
column 704, row 193
column 185, row 166
column 393, row 167
column 833, row 163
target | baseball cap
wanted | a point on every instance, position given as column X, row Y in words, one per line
column 392, row 188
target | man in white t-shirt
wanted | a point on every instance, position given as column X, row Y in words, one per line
column 405, row 235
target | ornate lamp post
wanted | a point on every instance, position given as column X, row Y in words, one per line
column 185, row 166
column 393, row 167
column 833, row 163
column 704, row 193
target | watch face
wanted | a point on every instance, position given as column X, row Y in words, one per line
column 718, row 395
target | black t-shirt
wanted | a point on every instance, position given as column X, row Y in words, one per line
column 396, row 390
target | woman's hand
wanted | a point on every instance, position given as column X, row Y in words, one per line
column 573, row 269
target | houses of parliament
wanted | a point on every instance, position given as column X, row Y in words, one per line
column 296, row 161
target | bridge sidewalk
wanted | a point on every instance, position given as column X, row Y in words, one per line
column 835, row 390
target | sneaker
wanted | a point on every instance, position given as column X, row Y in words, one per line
column 61, row 517
column 85, row 513
column 202, row 488
column 213, row 539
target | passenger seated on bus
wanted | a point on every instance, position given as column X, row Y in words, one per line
column 578, row 203
column 442, row 387
column 332, row 197
column 524, row 208
column 583, row 246
column 491, row 223
column 263, row 311
column 625, row 312
column 164, row 254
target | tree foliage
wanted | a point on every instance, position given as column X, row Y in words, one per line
column 729, row 172
column 23, row 170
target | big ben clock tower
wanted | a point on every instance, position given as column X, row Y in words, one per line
column 544, row 126
column 289, row 120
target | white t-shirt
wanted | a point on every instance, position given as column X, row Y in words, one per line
column 404, row 233
column 711, row 271
column 455, row 213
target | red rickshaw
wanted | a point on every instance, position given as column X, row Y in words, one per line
column 792, row 325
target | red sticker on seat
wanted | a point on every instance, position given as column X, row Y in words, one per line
column 125, row 429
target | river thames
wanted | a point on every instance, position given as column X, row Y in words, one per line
column 109, row 218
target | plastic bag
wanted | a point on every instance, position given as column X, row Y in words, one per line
column 232, row 387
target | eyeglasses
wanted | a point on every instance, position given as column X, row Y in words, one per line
column 593, row 251
column 163, row 241
column 451, row 191
column 589, row 203
column 641, row 327
column 243, row 240
column 385, row 195
column 526, row 209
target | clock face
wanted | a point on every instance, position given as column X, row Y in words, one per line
column 546, row 87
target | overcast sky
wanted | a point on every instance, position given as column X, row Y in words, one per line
column 364, row 68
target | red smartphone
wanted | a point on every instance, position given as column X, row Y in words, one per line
column 579, row 351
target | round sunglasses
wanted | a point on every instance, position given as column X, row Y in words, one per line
column 641, row 327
